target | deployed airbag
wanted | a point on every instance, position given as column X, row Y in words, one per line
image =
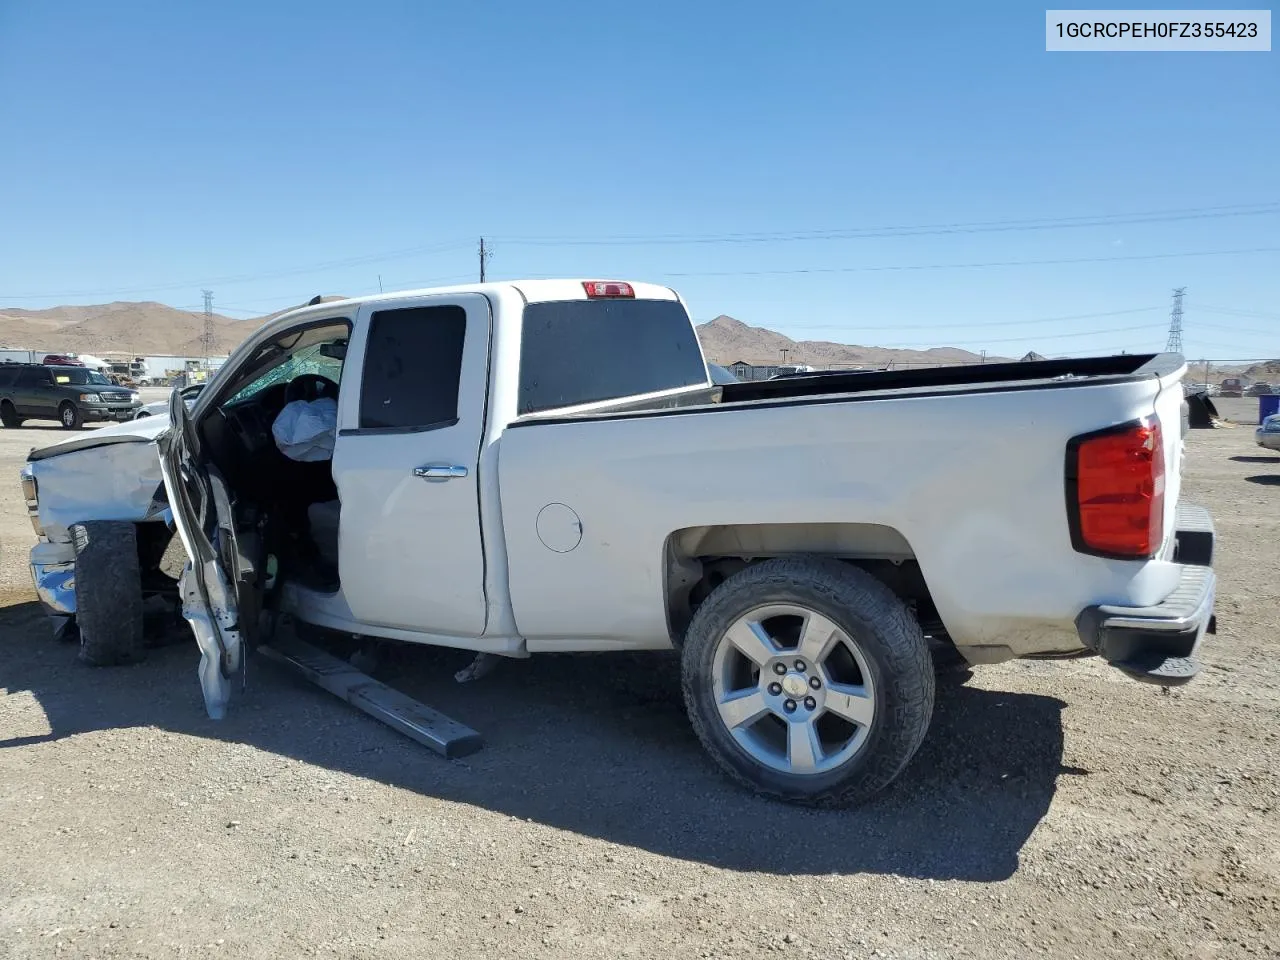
column 305, row 429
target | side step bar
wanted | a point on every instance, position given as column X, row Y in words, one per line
column 415, row 720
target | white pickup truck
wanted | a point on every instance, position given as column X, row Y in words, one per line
column 540, row 466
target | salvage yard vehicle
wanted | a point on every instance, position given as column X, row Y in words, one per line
column 161, row 407
column 1268, row 433
column 546, row 466
column 71, row 395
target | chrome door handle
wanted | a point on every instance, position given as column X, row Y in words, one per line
column 436, row 472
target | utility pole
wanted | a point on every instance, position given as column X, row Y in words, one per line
column 1206, row 374
column 208, row 326
column 485, row 256
column 1174, row 344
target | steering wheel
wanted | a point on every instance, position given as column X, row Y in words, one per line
column 309, row 387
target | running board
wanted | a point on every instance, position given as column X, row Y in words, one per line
column 415, row 720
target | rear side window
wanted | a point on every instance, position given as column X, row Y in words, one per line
column 412, row 366
column 585, row 351
column 33, row 376
column 7, row 377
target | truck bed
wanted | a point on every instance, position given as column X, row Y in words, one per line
column 843, row 386
column 960, row 468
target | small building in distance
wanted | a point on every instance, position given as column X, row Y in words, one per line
column 764, row 371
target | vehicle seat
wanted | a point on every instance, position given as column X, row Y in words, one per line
column 324, row 528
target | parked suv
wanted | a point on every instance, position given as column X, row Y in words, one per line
column 70, row 395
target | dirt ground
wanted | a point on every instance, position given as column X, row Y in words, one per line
column 1057, row 809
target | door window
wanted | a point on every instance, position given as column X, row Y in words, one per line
column 33, row 377
column 412, row 368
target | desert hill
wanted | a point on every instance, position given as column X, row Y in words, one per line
column 725, row 340
column 141, row 328
column 150, row 328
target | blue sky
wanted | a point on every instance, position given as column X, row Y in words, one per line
column 762, row 158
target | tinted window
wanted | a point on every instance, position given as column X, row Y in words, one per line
column 7, row 377
column 33, row 376
column 79, row 376
column 583, row 351
column 412, row 366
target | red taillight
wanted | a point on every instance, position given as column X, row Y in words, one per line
column 607, row 288
column 1115, row 491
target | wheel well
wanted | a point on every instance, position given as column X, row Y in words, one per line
column 154, row 542
column 699, row 559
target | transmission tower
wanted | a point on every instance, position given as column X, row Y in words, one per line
column 1175, row 323
column 207, row 337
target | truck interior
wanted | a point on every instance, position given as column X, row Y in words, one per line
column 282, row 507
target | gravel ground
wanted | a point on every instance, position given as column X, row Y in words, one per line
column 1057, row 809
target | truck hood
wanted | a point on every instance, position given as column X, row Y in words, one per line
column 107, row 474
column 146, row 429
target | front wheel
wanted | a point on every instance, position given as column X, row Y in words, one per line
column 69, row 416
column 808, row 680
column 108, row 592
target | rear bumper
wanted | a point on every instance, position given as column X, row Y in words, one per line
column 1159, row 644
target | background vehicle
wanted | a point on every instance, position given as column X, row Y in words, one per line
column 70, row 395
column 1231, row 387
column 1268, row 432
column 161, row 407
column 62, row 360
column 1260, row 389
column 587, row 506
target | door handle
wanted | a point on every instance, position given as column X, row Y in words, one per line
column 436, row 472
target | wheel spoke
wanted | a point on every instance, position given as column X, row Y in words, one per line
column 742, row 709
column 750, row 638
column 815, row 638
column 855, row 703
column 803, row 749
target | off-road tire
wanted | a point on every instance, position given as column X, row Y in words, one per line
column 74, row 420
column 108, row 592
column 890, row 639
column 9, row 415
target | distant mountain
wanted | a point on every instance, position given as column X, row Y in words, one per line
column 147, row 327
column 726, row 340
column 150, row 328
column 140, row 328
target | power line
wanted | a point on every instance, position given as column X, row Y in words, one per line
column 1232, row 312
column 972, row 266
column 249, row 277
column 882, row 232
column 1235, row 328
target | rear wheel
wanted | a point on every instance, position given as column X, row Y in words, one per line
column 9, row 414
column 69, row 415
column 108, row 592
column 808, row 680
